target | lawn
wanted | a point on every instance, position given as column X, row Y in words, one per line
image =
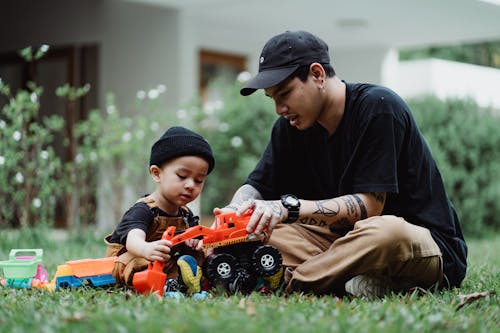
column 114, row 310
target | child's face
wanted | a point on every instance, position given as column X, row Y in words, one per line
column 180, row 181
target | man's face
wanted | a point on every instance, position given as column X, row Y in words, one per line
column 298, row 102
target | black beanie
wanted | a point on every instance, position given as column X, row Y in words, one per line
column 179, row 141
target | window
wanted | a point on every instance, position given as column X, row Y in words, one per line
column 216, row 65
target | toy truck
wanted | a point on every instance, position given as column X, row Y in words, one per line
column 24, row 270
column 237, row 261
column 90, row 272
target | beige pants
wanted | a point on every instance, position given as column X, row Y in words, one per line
column 385, row 246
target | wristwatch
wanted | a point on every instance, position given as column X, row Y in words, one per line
column 292, row 203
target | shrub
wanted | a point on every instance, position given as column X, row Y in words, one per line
column 116, row 148
column 238, row 129
column 465, row 141
column 109, row 153
column 29, row 167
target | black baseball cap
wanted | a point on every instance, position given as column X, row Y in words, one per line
column 282, row 55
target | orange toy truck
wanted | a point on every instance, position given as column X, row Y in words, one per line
column 237, row 261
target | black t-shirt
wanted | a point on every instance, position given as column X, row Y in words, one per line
column 141, row 216
column 377, row 147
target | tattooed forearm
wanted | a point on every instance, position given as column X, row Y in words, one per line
column 362, row 207
column 350, row 205
column 379, row 196
column 244, row 193
column 313, row 221
column 339, row 214
column 327, row 211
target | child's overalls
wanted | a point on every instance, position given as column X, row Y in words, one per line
column 127, row 264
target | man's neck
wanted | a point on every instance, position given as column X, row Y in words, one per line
column 331, row 116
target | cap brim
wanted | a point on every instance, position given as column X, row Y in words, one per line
column 267, row 78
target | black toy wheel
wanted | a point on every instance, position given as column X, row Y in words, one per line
column 221, row 268
column 244, row 282
column 266, row 260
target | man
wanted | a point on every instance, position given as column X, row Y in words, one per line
column 347, row 186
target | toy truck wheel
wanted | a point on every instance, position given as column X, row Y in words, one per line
column 244, row 282
column 221, row 268
column 266, row 260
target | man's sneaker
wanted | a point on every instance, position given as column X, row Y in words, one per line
column 368, row 286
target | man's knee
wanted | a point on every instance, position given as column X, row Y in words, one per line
column 390, row 235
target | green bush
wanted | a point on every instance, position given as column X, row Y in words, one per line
column 29, row 167
column 238, row 129
column 465, row 141
column 116, row 148
column 110, row 154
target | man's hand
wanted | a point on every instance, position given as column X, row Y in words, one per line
column 266, row 215
column 227, row 209
column 194, row 244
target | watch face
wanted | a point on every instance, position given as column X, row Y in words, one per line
column 292, row 201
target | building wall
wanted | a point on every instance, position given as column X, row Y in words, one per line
column 138, row 45
column 140, row 50
column 449, row 79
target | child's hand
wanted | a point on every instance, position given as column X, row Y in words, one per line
column 193, row 243
column 157, row 250
column 199, row 247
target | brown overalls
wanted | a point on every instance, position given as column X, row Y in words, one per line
column 127, row 264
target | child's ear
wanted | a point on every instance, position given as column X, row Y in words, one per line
column 154, row 170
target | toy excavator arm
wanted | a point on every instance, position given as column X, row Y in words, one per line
column 190, row 233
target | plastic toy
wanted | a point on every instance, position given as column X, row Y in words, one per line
column 153, row 279
column 189, row 281
column 24, row 269
column 238, row 258
column 91, row 272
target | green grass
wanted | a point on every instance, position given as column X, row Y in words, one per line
column 89, row 310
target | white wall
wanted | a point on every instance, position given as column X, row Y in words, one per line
column 138, row 45
column 140, row 50
column 360, row 64
column 449, row 79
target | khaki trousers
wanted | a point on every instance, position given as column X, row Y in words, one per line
column 385, row 246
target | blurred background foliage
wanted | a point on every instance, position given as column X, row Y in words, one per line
column 238, row 130
column 465, row 141
column 484, row 54
column 111, row 153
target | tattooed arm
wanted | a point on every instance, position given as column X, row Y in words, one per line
column 337, row 214
column 244, row 193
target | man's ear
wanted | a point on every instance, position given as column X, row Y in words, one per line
column 317, row 71
column 154, row 170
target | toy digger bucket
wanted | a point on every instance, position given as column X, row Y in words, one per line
column 153, row 279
